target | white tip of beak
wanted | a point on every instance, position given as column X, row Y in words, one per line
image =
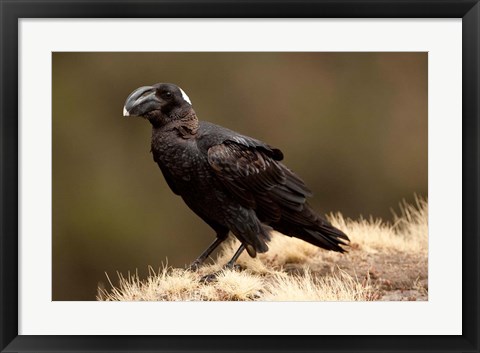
column 125, row 112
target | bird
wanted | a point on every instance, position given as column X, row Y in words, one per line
column 234, row 183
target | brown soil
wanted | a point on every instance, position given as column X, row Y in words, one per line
column 394, row 276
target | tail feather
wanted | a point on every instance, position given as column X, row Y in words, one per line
column 312, row 228
column 323, row 240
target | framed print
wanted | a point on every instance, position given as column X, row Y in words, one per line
column 220, row 176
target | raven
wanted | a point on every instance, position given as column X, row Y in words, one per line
column 232, row 182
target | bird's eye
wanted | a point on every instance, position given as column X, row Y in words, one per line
column 167, row 94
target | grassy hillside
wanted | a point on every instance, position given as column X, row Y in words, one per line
column 385, row 262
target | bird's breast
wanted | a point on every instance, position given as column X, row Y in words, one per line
column 182, row 158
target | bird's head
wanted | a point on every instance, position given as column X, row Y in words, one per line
column 158, row 103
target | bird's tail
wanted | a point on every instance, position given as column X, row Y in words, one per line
column 327, row 237
column 314, row 229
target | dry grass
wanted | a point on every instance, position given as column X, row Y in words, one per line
column 385, row 262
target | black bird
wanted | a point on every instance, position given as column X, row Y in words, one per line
column 233, row 182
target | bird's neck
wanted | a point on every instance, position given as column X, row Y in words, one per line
column 185, row 124
column 187, row 127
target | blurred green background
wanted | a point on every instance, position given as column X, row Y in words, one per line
column 353, row 125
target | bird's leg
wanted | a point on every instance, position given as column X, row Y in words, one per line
column 200, row 260
column 230, row 265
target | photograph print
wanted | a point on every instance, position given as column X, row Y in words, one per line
column 240, row 176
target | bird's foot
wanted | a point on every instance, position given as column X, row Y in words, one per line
column 212, row 277
column 234, row 267
column 194, row 266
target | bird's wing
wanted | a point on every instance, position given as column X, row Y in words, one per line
column 246, row 141
column 256, row 178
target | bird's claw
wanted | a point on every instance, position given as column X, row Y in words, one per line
column 235, row 267
column 212, row 277
column 194, row 266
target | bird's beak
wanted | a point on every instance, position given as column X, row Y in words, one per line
column 141, row 101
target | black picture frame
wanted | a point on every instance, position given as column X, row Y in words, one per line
column 12, row 10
